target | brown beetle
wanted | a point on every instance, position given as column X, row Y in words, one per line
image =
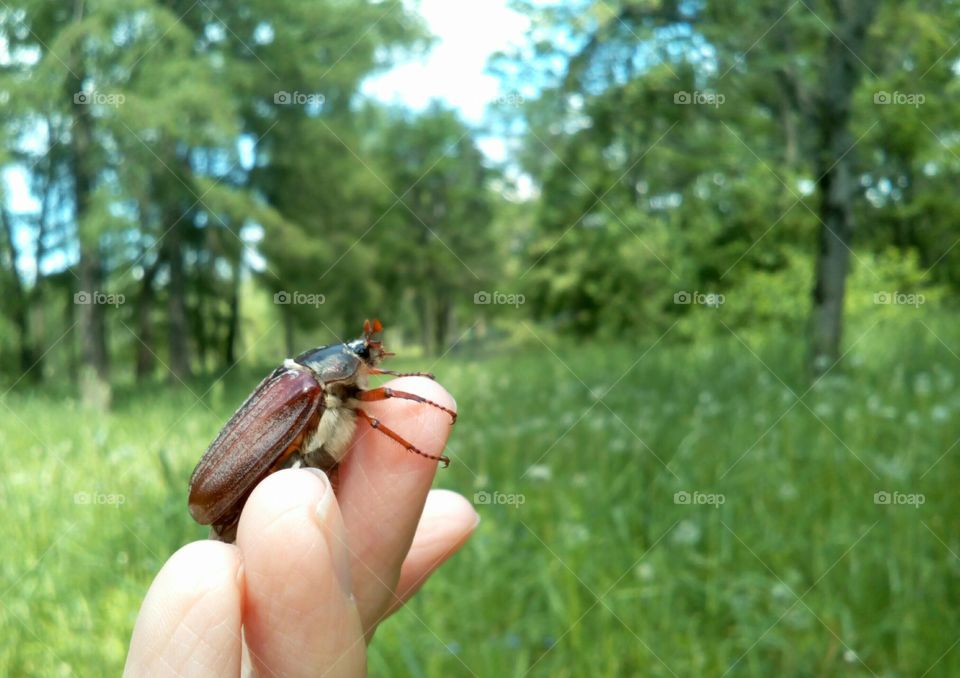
column 304, row 414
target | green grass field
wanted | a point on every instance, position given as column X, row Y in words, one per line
column 588, row 565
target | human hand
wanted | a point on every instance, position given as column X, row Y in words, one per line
column 311, row 574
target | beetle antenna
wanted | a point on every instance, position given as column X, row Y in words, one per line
column 373, row 332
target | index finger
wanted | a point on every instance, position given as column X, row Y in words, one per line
column 383, row 487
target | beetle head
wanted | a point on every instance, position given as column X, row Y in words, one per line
column 370, row 347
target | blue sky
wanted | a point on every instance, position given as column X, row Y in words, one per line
column 454, row 71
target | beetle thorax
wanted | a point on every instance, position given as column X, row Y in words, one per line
column 342, row 373
column 329, row 442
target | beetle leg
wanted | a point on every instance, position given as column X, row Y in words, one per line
column 385, row 392
column 377, row 370
column 376, row 425
column 226, row 531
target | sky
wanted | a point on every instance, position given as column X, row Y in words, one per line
column 467, row 33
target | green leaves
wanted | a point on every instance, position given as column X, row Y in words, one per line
column 706, row 122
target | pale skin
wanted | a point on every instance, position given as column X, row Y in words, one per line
column 312, row 574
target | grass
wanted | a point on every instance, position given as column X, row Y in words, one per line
column 599, row 571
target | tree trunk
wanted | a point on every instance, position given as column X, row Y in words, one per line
column 427, row 319
column 73, row 357
column 199, row 326
column 444, row 314
column 179, row 336
column 19, row 300
column 837, row 185
column 145, row 352
column 93, row 335
column 37, row 320
column 233, row 321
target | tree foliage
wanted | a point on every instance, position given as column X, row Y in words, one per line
column 173, row 150
column 697, row 146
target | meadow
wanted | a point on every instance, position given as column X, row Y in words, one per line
column 648, row 508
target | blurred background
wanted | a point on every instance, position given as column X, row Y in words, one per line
column 689, row 268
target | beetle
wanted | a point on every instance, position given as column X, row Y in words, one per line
column 303, row 414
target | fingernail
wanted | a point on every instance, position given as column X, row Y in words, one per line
column 326, row 495
column 333, row 532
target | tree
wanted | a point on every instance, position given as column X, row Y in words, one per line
column 842, row 71
column 157, row 136
column 721, row 137
column 436, row 232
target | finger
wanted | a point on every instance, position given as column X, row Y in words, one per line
column 300, row 618
column 448, row 521
column 189, row 623
column 382, row 489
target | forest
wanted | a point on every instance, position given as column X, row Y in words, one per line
column 717, row 256
column 175, row 164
